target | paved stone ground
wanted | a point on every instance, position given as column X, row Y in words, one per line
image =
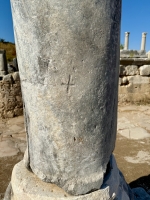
column 132, row 150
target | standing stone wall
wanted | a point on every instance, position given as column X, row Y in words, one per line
column 10, row 96
column 134, row 80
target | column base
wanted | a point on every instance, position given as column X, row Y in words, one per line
column 27, row 186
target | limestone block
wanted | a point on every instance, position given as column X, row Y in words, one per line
column 125, row 80
column 138, row 80
column 16, row 76
column 145, row 70
column 131, row 70
column 27, row 186
column 134, row 88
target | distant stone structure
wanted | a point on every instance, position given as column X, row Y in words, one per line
column 126, row 42
column 143, row 42
column 10, row 89
column 10, row 96
column 3, row 63
column 134, row 76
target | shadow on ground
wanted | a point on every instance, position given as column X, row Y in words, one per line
column 143, row 182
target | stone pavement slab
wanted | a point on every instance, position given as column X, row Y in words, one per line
column 12, row 136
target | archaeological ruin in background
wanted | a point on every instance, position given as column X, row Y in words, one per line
column 134, row 73
column 10, row 90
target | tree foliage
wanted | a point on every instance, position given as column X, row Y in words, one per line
column 121, row 46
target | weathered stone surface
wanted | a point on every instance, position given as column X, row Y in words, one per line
column 124, row 80
column 132, row 54
column 145, row 70
column 131, row 70
column 138, row 80
column 134, row 61
column 3, row 63
column 16, row 76
column 69, row 72
column 135, row 84
column 26, row 186
column 10, row 97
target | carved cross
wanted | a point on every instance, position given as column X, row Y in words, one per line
column 68, row 84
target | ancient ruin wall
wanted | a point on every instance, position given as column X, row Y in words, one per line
column 134, row 80
column 10, row 96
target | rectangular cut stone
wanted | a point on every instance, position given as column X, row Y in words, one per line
column 68, row 54
column 131, row 70
column 145, row 70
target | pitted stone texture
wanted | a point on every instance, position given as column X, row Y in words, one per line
column 138, row 80
column 69, row 70
column 131, row 70
column 26, row 186
column 145, row 70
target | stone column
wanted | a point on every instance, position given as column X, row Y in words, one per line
column 68, row 56
column 3, row 63
column 126, row 41
column 143, row 42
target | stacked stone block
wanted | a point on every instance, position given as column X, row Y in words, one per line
column 134, row 80
column 10, row 96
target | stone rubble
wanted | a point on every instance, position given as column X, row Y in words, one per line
column 10, row 96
